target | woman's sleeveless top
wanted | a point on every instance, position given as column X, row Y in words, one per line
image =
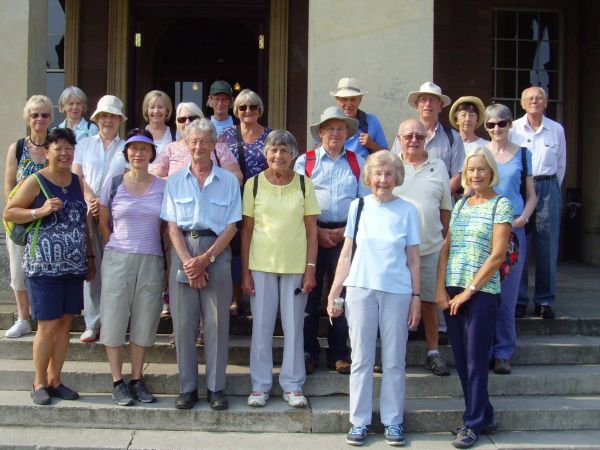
column 25, row 166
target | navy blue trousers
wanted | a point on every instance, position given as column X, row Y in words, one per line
column 337, row 335
column 471, row 333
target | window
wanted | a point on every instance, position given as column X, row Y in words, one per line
column 55, row 59
column 527, row 52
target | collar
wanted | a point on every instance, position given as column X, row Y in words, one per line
column 406, row 163
column 214, row 173
column 321, row 153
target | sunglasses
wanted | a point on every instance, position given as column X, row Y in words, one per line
column 410, row 137
column 183, row 119
column 243, row 108
column 42, row 115
column 501, row 124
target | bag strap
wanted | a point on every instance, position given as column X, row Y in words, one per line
column 19, row 152
column 462, row 203
column 353, row 163
column 449, row 133
column 240, row 150
column 311, row 158
column 524, row 174
column 361, row 204
column 363, row 123
column 38, row 222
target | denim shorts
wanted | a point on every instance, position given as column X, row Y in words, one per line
column 53, row 297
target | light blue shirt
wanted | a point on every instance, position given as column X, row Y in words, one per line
column 384, row 232
column 220, row 125
column 510, row 180
column 191, row 208
column 376, row 133
column 82, row 130
column 334, row 182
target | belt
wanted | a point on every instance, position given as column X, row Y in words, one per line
column 544, row 177
column 330, row 225
column 199, row 233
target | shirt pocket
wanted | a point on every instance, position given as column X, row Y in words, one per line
column 184, row 208
column 217, row 210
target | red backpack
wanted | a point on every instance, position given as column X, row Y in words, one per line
column 351, row 157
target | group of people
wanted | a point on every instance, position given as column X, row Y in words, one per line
column 228, row 207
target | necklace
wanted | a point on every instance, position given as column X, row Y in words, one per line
column 36, row 145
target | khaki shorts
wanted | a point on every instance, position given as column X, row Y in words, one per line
column 132, row 286
column 15, row 258
column 429, row 276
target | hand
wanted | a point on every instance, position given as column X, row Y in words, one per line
column 309, row 280
column 333, row 313
column 457, row 301
column 91, row 270
column 325, row 238
column 248, row 284
column 414, row 313
column 519, row 222
column 442, row 298
column 50, row 206
column 366, row 141
column 200, row 281
column 338, row 235
column 196, row 266
column 94, row 207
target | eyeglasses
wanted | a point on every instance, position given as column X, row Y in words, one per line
column 252, row 108
column 42, row 115
column 410, row 137
column 500, row 123
column 338, row 130
column 183, row 119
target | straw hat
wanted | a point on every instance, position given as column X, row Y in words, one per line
column 428, row 88
column 348, row 87
column 467, row 99
column 333, row 112
column 109, row 104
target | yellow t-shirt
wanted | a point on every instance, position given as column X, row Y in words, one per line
column 278, row 242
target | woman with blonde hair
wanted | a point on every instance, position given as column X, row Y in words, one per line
column 156, row 109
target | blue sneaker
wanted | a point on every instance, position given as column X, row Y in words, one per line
column 356, row 435
column 394, row 435
column 466, row 438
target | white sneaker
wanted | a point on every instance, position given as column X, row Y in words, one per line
column 19, row 328
column 89, row 335
column 165, row 311
column 258, row 399
column 295, row 399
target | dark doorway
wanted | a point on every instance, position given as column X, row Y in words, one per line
column 186, row 45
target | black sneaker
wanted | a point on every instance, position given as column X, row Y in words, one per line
column 139, row 391
column 40, row 396
column 61, row 391
column 186, row 400
column 502, row 366
column 546, row 312
column 122, row 396
column 520, row 311
column 437, row 365
column 466, row 438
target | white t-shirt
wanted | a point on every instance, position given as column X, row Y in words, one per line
column 470, row 146
column 384, row 231
column 98, row 164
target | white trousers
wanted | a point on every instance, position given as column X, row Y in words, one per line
column 367, row 310
column 92, row 290
column 273, row 289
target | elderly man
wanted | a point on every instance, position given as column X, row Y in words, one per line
column 369, row 136
column 442, row 142
column 546, row 140
column 335, row 173
column 220, row 99
column 426, row 187
column 201, row 205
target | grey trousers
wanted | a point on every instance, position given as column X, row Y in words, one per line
column 212, row 302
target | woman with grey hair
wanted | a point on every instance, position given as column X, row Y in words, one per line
column 516, row 184
column 24, row 157
column 73, row 103
column 382, row 280
column 279, row 253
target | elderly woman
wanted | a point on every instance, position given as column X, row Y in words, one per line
column 130, row 224
column 468, row 286
column 157, row 109
column 73, row 104
column 466, row 115
column 201, row 205
column 54, row 271
column 279, row 253
column 98, row 158
column 24, row 157
column 382, row 282
column 516, row 184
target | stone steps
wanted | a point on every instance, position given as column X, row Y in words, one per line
column 95, row 377
column 323, row 415
column 531, row 350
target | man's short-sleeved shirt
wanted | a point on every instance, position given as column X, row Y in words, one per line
column 375, row 131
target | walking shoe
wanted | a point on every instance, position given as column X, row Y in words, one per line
column 257, row 399
column 357, row 435
column 502, row 366
column 186, row 400
column 19, row 328
column 547, row 312
column 61, row 391
column 520, row 311
column 217, row 400
column 295, row 399
column 89, row 335
column 466, row 438
column 394, row 435
column 437, row 365
column 341, row 366
column 489, row 428
column 140, row 392
column 122, row 396
column 165, row 313
column 40, row 396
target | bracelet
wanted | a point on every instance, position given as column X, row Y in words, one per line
column 311, row 264
column 33, row 214
column 414, row 294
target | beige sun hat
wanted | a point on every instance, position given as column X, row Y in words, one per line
column 428, row 87
column 333, row 112
column 467, row 99
column 109, row 104
column 348, row 87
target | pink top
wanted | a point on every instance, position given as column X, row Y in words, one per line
column 176, row 156
column 136, row 219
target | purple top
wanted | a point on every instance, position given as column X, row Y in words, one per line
column 255, row 159
column 136, row 219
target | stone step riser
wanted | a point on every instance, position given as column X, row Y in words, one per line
column 526, row 354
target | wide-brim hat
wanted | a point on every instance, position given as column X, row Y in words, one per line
column 467, row 99
column 109, row 104
column 348, row 87
column 333, row 112
column 220, row 87
column 428, row 88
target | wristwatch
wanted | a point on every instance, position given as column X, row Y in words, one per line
column 211, row 257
